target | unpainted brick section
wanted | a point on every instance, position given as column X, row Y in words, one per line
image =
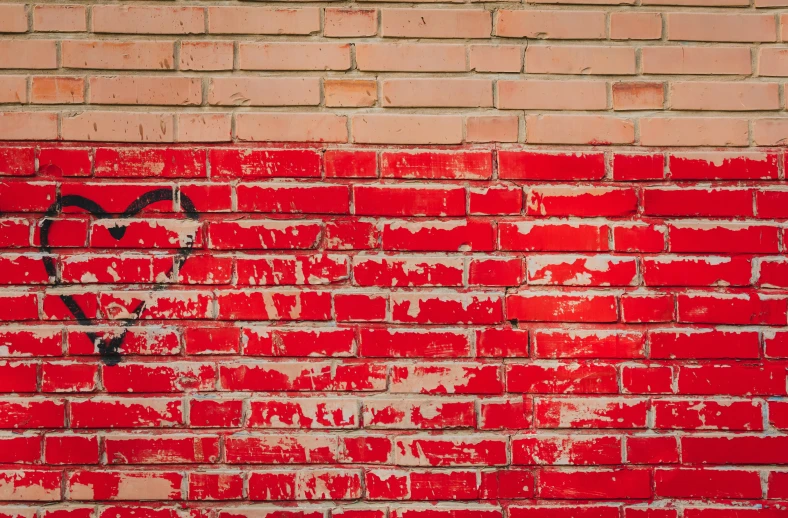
column 655, row 73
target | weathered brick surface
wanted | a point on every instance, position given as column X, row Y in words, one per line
column 372, row 331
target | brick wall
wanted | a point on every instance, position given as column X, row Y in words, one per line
column 367, row 260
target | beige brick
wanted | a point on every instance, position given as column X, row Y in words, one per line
column 693, row 131
column 770, row 132
column 492, row 128
column 118, row 126
column 635, row 26
column 773, row 62
column 638, row 96
column 350, row 92
column 724, row 96
column 532, row 94
column 699, row 3
column 496, row 58
column 131, row 55
column 294, row 56
column 553, row 25
column 546, row 59
column 783, row 27
column 291, row 127
column 340, row 22
column 721, row 27
column 132, row 19
column 584, row 2
column 32, row 54
column 406, row 129
column 260, row 20
column 696, row 60
column 203, row 127
column 60, row 18
column 153, row 90
column 435, row 23
column 57, row 90
column 578, row 129
column 28, row 126
column 206, row 55
column 437, row 92
column 264, row 91
column 13, row 18
column 410, row 57
column 13, row 89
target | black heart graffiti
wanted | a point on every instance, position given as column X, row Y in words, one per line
column 109, row 348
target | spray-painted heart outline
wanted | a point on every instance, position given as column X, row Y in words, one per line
column 108, row 349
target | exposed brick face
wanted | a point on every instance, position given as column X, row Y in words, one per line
column 394, row 260
column 688, row 74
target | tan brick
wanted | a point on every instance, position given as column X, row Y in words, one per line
column 492, row 128
column 350, row 92
column 57, row 90
column 203, row 127
column 117, row 126
column 545, row 59
column 31, row 54
column 13, row 18
column 720, row 96
column 435, row 23
column 437, row 92
column 770, row 132
column 721, row 27
column 496, row 58
column 699, row 3
column 264, row 91
column 131, row 55
column 60, row 18
column 294, row 56
column 262, row 20
column 553, row 25
column 635, row 26
column 410, row 57
column 583, row 2
column 578, row 129
column 532, row 94
column 771, row 3
column 13, row 89
column 693, row 131
column 406, row 129
column 638, row 96
column 783, row 27
column 206, row 55
column 155, row 90
column 421, row 2
column 28, row 126
column 773, row 62
column 340, row 22
column 126, row 19
column 696, row 60
column 291, row 127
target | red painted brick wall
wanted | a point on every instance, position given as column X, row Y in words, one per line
column 350, row 332
column 381, row 260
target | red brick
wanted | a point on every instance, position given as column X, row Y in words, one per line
column 562, row 378
column 401, row 201
column 523, row 165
